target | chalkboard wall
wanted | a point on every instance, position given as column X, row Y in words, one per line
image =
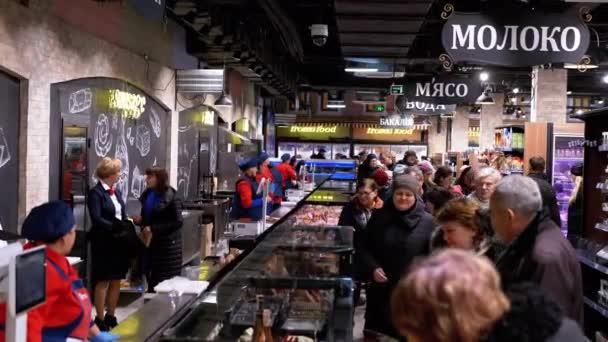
column 123, row 123
column 9, row 151
column 197, row 148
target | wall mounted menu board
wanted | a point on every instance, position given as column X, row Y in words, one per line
column 9, row 151
column 123, row 123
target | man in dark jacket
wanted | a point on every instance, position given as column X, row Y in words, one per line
column 536, row 249
column 537, row 173
column 395, row 235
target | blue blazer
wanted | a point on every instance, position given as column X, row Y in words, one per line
column 101, row 208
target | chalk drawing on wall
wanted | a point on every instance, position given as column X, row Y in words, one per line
column 80, row 100
column 155, row 162
column 130, row 138
column 103, row 138
column 155, row 122
column 115, row 121
column 183, row 177
column 184, row 129
column 142, row 140
column 138, row 182
column 5, row 152
column 123, row 154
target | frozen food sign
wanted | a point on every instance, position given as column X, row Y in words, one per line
column 313, row 129
column 520, row 39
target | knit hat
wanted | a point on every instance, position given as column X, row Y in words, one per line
column 399, row 169
column 406, row 182
column 48, row 222
column 425, row 167
column 371, row 156
column 380, row 177
column 285, row 157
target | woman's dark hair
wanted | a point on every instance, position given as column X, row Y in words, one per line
column 577, row 170
column 299, row 165
column 364, row 183
column 441, row 173
column 438, row 196
column 466, row 179
column 162, row 179
column 293, row 161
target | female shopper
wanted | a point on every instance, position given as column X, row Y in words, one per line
column 456, row 296
column 367, row 168
column 466, row 181
column 356, row 214
column 427, row 172
column 464, row 225
column 395, row 235
column 444, row 178
column 436, row 199
column 161, row 220
column 109, row 263
column 66, row 314
column 485, row 184
column 575, row 207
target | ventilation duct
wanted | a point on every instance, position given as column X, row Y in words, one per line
column 200, row 81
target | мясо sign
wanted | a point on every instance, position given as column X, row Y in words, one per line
column 524, row 38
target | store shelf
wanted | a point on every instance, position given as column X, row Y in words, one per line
column 600, row 268
column 602, row 310
column 602, row 148
column 602, row 186
column 558, row 159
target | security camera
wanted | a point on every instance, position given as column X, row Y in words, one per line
column 319, row 33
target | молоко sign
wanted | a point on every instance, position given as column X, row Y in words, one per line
column 524, row 38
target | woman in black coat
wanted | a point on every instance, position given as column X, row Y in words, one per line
column 395, row 235
column 109, row 263
column 161, row 222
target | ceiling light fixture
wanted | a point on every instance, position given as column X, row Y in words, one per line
column 581, row 67
column 515, row 90
column 579, row 111
column 484, row 76
column 336, row 105
column 605, row 79
column 364, row 70
column 569, row 92
column 224, row 100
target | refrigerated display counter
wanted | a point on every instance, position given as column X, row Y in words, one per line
column 345, row 169
column 301, row 266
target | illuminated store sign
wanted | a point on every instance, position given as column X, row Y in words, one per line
column 131, row 105
column 390, row 131
column 397, row 122
column 313, row 129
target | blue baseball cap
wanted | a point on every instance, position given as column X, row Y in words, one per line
column 48, row 222
column 285, row 157
column 263, row 157
column 248, row 163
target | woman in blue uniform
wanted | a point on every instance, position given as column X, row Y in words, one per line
column 66, row 314
column 247, row 202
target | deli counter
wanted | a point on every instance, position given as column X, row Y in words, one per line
column 298, row 273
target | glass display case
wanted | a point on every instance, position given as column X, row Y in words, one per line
column 398, row 150
column 564, row 157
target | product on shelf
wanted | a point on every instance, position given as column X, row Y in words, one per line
column 318, row 215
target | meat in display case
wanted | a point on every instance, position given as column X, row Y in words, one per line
column 565, row 155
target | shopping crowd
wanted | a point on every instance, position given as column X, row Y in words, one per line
column 477, row 258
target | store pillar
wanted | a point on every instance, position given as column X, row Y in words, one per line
column 460, row 129
column 549, row 98
column 437, row 136
column 491, row 117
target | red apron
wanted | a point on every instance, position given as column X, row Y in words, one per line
column 78, row 329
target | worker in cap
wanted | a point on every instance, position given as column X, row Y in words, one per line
column 247, row 203
column 288, row 172
column 66, row 314
column 265, row 172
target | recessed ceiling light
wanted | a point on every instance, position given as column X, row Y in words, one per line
column 515, row 90
column 568, row 92
column 579, row 111
column 484, row 76
column 605, row 79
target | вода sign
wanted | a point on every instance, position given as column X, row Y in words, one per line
column 524, row 38
column 417, row 107
column 444, row 90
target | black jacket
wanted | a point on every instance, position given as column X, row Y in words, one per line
column 533, row 317
column 102, row 210
column 351, row 216
column 392, row 240
column 575, row 217
column 364, row 171
column 165, row 222
column 547, row 192
column 542, row 255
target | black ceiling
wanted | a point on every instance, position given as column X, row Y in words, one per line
column 403, row 33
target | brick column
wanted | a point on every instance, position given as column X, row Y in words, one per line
column 491, row 117
column 437, row 140
column 460, row 129
column 549, row 99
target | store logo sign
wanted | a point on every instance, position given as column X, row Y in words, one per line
column 313, row 129
column 390, row 131
column 444, row 90
column 131, row 105
column 524, row 38
column 397, row 121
